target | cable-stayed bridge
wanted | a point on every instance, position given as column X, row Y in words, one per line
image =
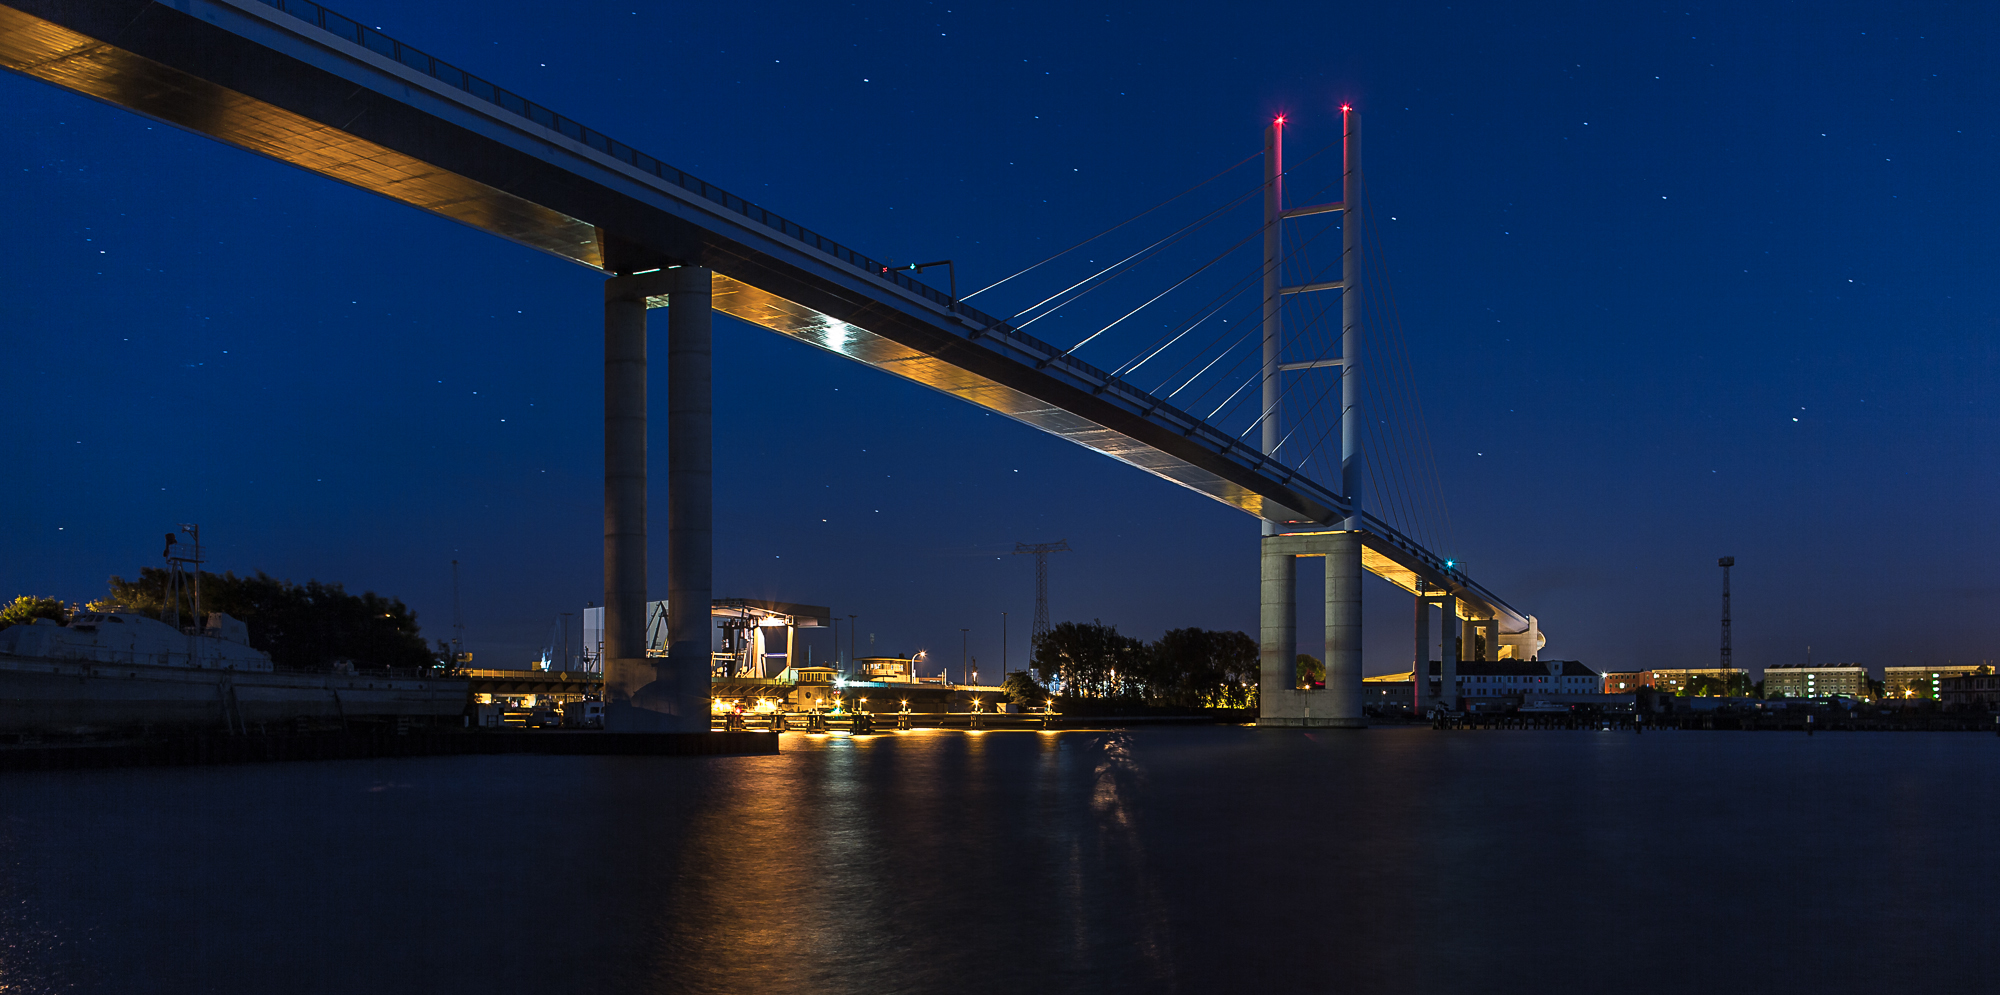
column 300, row 83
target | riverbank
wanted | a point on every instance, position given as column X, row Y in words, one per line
column 1714, row 721
column 196, row 750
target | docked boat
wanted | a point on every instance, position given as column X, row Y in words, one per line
column 116, row 671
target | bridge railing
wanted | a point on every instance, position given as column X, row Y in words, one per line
column 1100, row 381
column 375, row 41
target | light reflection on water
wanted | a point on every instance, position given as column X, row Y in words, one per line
column 1162, row 860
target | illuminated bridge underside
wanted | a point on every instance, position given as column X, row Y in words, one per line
column 1023, row 396
column 263, row 80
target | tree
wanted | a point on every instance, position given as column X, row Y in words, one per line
column 304, row 626
column 1701, row 686
column 25, row 609
column 1200, row 668
column 1022, row 690
column 1091, row 660
column 1312, row 673
column 1184, row 669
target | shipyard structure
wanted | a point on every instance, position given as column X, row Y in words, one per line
column 116, row 671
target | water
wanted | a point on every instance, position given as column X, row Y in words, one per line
column 1157, row 860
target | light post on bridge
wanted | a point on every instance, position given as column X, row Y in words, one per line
column 920, row 267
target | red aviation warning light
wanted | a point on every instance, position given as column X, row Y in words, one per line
column 1344, row 108
column 1280, row 120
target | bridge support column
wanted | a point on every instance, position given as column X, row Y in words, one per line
column 684, row 675
column 1343, row 628
column 1280, row 702
column 1420, row 669
column 1449, row 653
column 1277, row 632
column 626, row 669
column 641, row 693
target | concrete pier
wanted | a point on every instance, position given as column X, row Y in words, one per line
column 683, row 675
column 1279, row 701
column 641, row 693
column 1278, row 628
column 1343, row 626
column 626, row 669
column 1421, row 666
column 1448, row 655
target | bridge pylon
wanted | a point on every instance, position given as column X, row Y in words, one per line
column 1280, row 701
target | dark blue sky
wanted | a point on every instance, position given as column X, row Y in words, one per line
column 1675, row 283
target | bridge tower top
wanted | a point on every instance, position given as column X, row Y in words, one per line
column 1270, row 418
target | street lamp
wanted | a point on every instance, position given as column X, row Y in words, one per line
column 920, row 267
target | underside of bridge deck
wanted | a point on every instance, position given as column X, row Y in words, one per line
column 301, row 84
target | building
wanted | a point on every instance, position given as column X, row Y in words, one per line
column 1677, row 681
column 751, row 634
column 1977, row 691
column 1628, row 681
column 1922, row 682
column 813, row 689
column 885, row 669
column 1518, row 678
column 1848, row 680
column 1386, row 690
column 1496, row 679
column 1492, row 683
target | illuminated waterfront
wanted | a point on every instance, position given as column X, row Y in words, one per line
column 1184, row 859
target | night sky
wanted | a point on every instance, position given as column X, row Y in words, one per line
column 1676, row 283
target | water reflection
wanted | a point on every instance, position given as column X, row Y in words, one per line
column 1196, row 860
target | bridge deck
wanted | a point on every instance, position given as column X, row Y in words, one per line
column 302, row 84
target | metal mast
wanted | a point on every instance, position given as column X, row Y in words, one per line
column 1041, row 550
column 1725, row 563
column 457, row 622
column 1274, row 318
column 178, row 580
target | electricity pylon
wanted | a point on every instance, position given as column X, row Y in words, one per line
column 1041, row 551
